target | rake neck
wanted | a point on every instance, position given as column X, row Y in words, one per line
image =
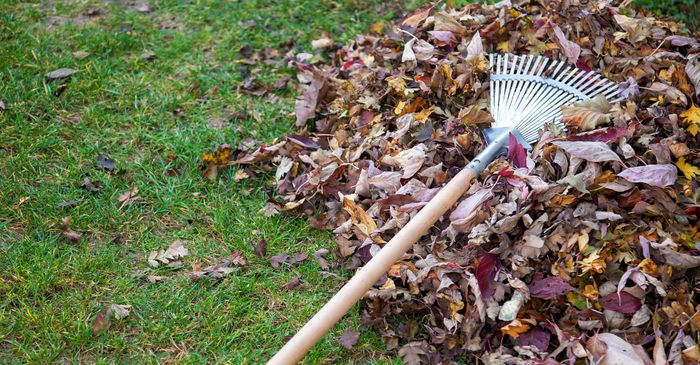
column 495, row 148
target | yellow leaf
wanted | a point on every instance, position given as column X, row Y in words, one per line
column 397, row 83
column 688, row 170
column 593, row 263
column 388, row 285
column 425, row 113
column 400, row 107
column 240, row 175
column 455, row 307
column 691, row 117
column 694, row 128
column 590, row 292
column 648, row 266
column 503, row 47
column 377, row 27
column 515, row 328
column 220, row 157
column 359, row 217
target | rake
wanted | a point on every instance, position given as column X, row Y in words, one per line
column 526, row 93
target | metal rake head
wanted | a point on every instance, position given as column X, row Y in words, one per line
column 527, row 91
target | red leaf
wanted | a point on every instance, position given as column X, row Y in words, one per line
column 486, row 272
column 624, row 303
column 609, row 134
column 550, row 287
column 516, row 152
column 537, row 337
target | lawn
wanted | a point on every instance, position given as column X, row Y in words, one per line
column 157, row 85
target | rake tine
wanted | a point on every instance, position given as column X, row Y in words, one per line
column 528, row 91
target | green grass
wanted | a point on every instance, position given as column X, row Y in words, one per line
column 152, row 117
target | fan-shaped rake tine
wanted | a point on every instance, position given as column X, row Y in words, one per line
column 554, row 68
column 552, row 114
column 553, row 104
column 515, row 85
column 505, row 89
column 589, row 77
column 572, row 79
column 595, row 89
column 509, row 84
column 611, row 91
column 536, row 70
column 497, row 91
column 542, row 97
column 520, row 86
column 491, row 85
column 529, row 92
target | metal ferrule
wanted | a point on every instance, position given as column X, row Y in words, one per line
column 498, row 147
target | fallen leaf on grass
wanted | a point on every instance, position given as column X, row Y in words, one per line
column 140, row 274
column 305, row 106
column 688, row 170
column 414, row 19
column 120, row 311
column 569, row 48
column 277, row 260
column 221, row 269
column 322, row 260
column 61, row 73
column 298, row 257
column 80, row 54
column 68, row 233
column 536, row 337
column 260, row 249
column 68, row 203
column 177, row 250
column 292, row 283
column 90, row 186
column 515, row 328
column 486, row 272
column 349, row 338
column 359, row 217
column 128, row 197
column 103, row 318
column 411, row 353
column 324, row 42
column 106, row 163
column 101, row 321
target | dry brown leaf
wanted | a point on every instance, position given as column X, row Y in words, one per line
column 177, row 250
column 128, row 197
column 588, row 114
column 68, row 233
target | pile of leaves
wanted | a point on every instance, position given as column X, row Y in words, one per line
column 586, row 247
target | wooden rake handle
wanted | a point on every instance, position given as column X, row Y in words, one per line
column 326, row 318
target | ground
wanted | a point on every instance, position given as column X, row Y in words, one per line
column 157, row 85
